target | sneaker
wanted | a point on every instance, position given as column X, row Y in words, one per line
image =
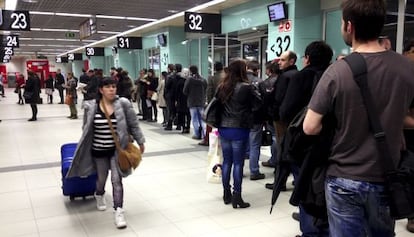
column 100, row 202
column 119, row 218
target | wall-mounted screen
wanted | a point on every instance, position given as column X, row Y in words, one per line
column 277, row 11
column 162, row 40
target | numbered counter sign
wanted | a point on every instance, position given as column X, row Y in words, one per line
column 15, row 20
column 202, row 22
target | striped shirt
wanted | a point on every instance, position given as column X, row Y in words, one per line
column 103, row 144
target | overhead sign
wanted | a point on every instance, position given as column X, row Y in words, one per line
column 87, row 28
column 280, row 39
column 75, row 57
column 202, row 22
column 7, row 51
column 94, row 51
column 5, row 58
column 61, row 59
column 129, row 42
column 10, row 41
column 15, row 20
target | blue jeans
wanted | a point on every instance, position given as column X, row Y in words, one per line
column 306, row 221
column 357, row 208
column 233, row 155
column 255, row 141
column 197, row 120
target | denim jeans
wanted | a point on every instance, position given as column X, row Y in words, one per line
column 273, row 148
column 255, row 141
column 103, row 165
column 233, row 155
column 196, row 113
column 306, row 221
column 358, row 209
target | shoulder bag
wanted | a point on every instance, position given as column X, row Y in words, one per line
column 399, row 179
column 212, row 113
column 127, row 158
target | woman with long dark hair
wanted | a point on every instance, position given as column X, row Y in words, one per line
column 239, row 99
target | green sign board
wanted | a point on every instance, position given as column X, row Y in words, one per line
column 70, row 35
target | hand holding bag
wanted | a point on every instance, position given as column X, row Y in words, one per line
column 214, row 159
column 128, row 158
column 400, row 179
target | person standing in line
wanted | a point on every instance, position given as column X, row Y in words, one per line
column 239, row 100
column 143, row 90
column 151, row 102
column 356, row 195
column 170, row 94
column 195, row 90
column 96, row 150
column 32, row 89
column 212, row 83
column 183, row 112
column 49, row 89
column 20, row 83
column 124, row 86
column 83, row 82
column 287, row 64
column 161, row 99
column 59, row 83
column 142, row 74
column 409, row 123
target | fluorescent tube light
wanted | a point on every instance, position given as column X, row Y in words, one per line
column 72, row 14
column 10, row 5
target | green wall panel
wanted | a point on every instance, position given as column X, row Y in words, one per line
column 244, row 16
column 333, row 33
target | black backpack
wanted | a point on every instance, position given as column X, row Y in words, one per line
column 267, row 91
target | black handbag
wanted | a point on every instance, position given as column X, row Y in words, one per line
column 400, row 178
column 267, row 137
column 27, row 95
column 212, row 113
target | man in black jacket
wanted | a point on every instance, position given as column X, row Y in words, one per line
column 170, row 93
column 60, row 81
column 287, row 65
column 317, row 58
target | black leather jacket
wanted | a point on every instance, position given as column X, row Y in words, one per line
column 238, row 110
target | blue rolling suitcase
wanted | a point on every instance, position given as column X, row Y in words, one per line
column 76, row 186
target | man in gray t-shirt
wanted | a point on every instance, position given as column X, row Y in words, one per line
column 355, row 190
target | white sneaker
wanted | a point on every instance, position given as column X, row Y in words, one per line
column 119, row 218
column 100, row 202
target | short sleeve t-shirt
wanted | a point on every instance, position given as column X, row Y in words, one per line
column 391, row 83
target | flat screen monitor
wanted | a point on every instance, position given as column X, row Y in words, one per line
column 162, row 40
column 277, row 11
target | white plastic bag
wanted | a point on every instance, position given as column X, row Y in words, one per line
column 214, row 158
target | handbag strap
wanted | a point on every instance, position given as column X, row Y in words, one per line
column 358, row 66
column 118, row 146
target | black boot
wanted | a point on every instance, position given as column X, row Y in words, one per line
column 237, row 201
column 227, row 196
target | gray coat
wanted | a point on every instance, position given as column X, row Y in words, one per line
column 126, row 125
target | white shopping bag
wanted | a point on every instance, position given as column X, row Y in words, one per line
column 214, row 158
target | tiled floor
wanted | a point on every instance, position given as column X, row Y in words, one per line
column 167, row 195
